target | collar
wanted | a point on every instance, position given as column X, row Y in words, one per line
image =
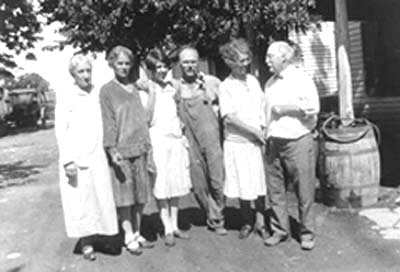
column 199, row 80
column 285, row 72
column 81, row 92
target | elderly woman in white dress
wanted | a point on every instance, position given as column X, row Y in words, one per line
column 241, row 104
column 169, row 148
column 85, row 180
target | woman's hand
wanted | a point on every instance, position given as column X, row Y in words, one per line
column 143, row 85
column 71, row 170
column 117, row 158
column 260, row 137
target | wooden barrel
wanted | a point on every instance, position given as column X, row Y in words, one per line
column 349, row 165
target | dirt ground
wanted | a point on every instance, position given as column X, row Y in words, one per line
column 32, row 236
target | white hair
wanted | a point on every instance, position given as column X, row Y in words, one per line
column 185, row 49
column 76, row 60
column 282, row 49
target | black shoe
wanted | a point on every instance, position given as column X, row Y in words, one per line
column 245, row 231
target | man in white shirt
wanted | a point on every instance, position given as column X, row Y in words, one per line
column 292, row 105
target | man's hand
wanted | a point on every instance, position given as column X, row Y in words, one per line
column 276, row 110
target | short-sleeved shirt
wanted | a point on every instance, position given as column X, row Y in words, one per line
column 165, row 120
column 291, row 87
column 245, row 100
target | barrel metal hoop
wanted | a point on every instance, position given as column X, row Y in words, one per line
column 350, row 187
column 334, row 138
column 332, row 153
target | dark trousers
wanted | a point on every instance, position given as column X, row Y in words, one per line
column 291, row 160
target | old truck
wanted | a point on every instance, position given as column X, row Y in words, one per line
column 28, row 107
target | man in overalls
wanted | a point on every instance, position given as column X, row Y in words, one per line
column 196, row 99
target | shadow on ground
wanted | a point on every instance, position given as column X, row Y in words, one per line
column 18, row 173
column 16, row 269
column 27, row 129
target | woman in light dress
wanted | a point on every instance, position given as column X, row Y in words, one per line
column 241, row 104
column 85, row 180
column 169, row 148
column 128, row 146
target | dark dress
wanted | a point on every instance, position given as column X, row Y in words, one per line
column 126, row 132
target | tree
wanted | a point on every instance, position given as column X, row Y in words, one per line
column 98, row 25
column 31, row 80
column 19, row 27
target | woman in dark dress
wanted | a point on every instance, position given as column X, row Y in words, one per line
column 127, row 144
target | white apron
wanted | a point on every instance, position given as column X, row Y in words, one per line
column 88, row 205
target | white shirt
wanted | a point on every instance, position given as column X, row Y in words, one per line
column 245, row 100
column 165, row 121
column 291, row 87
column 78, row 125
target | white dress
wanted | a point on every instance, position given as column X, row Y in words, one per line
column 244, row 162
column 88, row 205
column 170, row 148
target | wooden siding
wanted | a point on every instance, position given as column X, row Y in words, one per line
column 319, row 57
column 356, row 58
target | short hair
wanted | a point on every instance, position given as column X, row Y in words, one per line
column 118, row 50
column 231, row 50
column 282, row 49
column 76, row 59
column 155, row 56
column 187, row 48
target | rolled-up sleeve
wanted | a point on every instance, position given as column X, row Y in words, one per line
column 226, row 101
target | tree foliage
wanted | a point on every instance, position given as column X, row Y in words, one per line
column 142, row 24
column 30, row 80
column 19, row 27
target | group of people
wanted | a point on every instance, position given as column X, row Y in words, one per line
column 131, row 138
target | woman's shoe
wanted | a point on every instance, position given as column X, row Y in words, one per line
column 88, row 253
column 261, row 231
column 133, row 247
column 275, row 239
column 143, row 243
column 245, row 231
column 307, row 241
column 169, row 240
column 181, row 234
